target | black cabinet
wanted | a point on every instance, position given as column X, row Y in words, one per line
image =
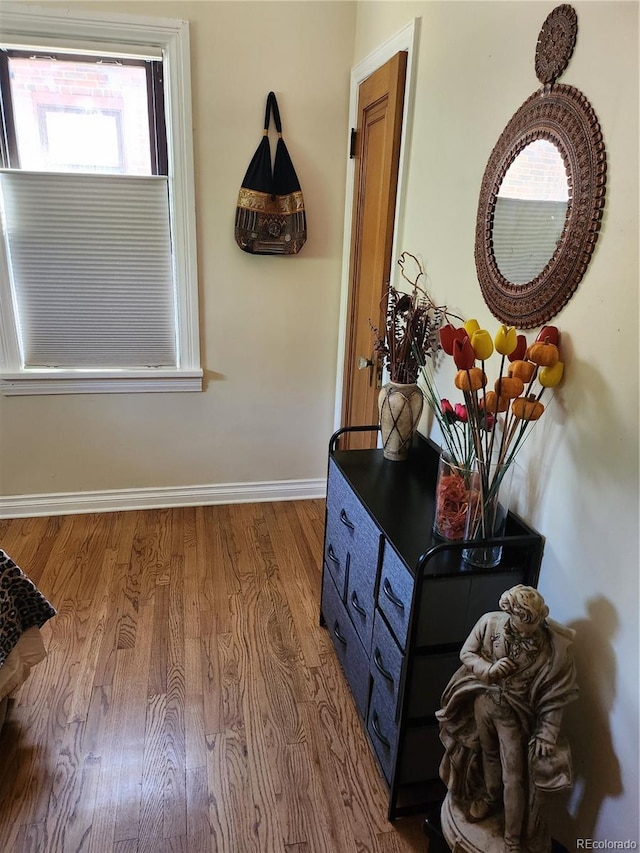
column 398, row 604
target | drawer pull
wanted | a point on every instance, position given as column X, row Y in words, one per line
column 376, row 728
column 393, row 598
column 344, row 518
column 377, row 659
column 336, row 631
column 356, row 604
column 331, row 554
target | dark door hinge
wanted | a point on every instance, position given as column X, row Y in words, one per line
column 352, row 144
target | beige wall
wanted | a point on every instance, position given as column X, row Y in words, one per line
column 268, row 325
column 475, row 67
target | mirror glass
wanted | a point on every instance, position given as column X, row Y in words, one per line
column 530, row 212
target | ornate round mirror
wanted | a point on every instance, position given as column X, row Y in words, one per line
column 542, row 193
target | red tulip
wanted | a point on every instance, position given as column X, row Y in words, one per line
column 520, row 350
column 461, row 412
column 449, row 334
column 489, row 420
column 447, row 411
column 549, row 335
column 463, row 354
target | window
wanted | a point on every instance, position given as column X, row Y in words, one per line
column 99, row 285
column 82, row 113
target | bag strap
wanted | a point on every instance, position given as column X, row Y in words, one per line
column 272, row 106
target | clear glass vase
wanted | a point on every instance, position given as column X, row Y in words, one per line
column 488, row 506
column 452, row 498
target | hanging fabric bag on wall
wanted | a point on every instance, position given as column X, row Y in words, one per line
column 270, row 217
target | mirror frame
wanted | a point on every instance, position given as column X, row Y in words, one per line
column 562, row 115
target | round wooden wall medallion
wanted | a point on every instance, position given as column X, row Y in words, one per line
column 556, row 42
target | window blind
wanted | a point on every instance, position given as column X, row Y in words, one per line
column 91, row 269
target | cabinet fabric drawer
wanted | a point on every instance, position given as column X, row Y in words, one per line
column 360, row 600
column 383, row 730
column 421, row 750
column 352, row 539
column 430, row 675
column 395, row 593
column 347, row 646
column 386, row 665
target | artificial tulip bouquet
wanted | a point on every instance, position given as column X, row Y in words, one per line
column 516, row 394
column 484, row 433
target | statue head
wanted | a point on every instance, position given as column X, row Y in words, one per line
column 525, row 605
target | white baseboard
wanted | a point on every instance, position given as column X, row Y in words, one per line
column 68, row 503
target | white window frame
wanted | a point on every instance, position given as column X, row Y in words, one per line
column 23, row 25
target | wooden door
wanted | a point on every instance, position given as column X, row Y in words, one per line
column 377, row 151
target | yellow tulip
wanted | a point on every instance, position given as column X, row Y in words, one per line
column 482, row 344
column 550, row 376
column 470, row 327
column 506, row 339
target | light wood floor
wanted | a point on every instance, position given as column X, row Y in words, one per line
column 189, row 700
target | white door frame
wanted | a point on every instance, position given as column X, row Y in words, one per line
column 406, row 39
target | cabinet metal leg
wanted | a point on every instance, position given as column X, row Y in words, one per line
column 433, row 830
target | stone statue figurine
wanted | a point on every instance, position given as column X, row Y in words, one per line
column 499, row 723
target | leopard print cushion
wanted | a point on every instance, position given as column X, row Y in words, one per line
column 22, row 605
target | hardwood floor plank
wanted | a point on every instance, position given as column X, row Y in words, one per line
column 191, row 575
column 302, row 609
column 25, row 781
column 213, row 560
column 101, row 738
column 92, row 643
column 175, row 816
column 189, row 700
column 232, row 656
column 21, row 538
column 131, row 689
column 199, row 831
column 330, row 813
column 68, row 570
column 195, row 745
column 153, row 773
column 90, row 555
column 211, row 680
column 273, row 672
column 38, row 561
column 160, row 641
column 306, row 519
column 129, row 846
column 113, row 605
column 358, row 778
column 30, row 839
column 71, row 803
